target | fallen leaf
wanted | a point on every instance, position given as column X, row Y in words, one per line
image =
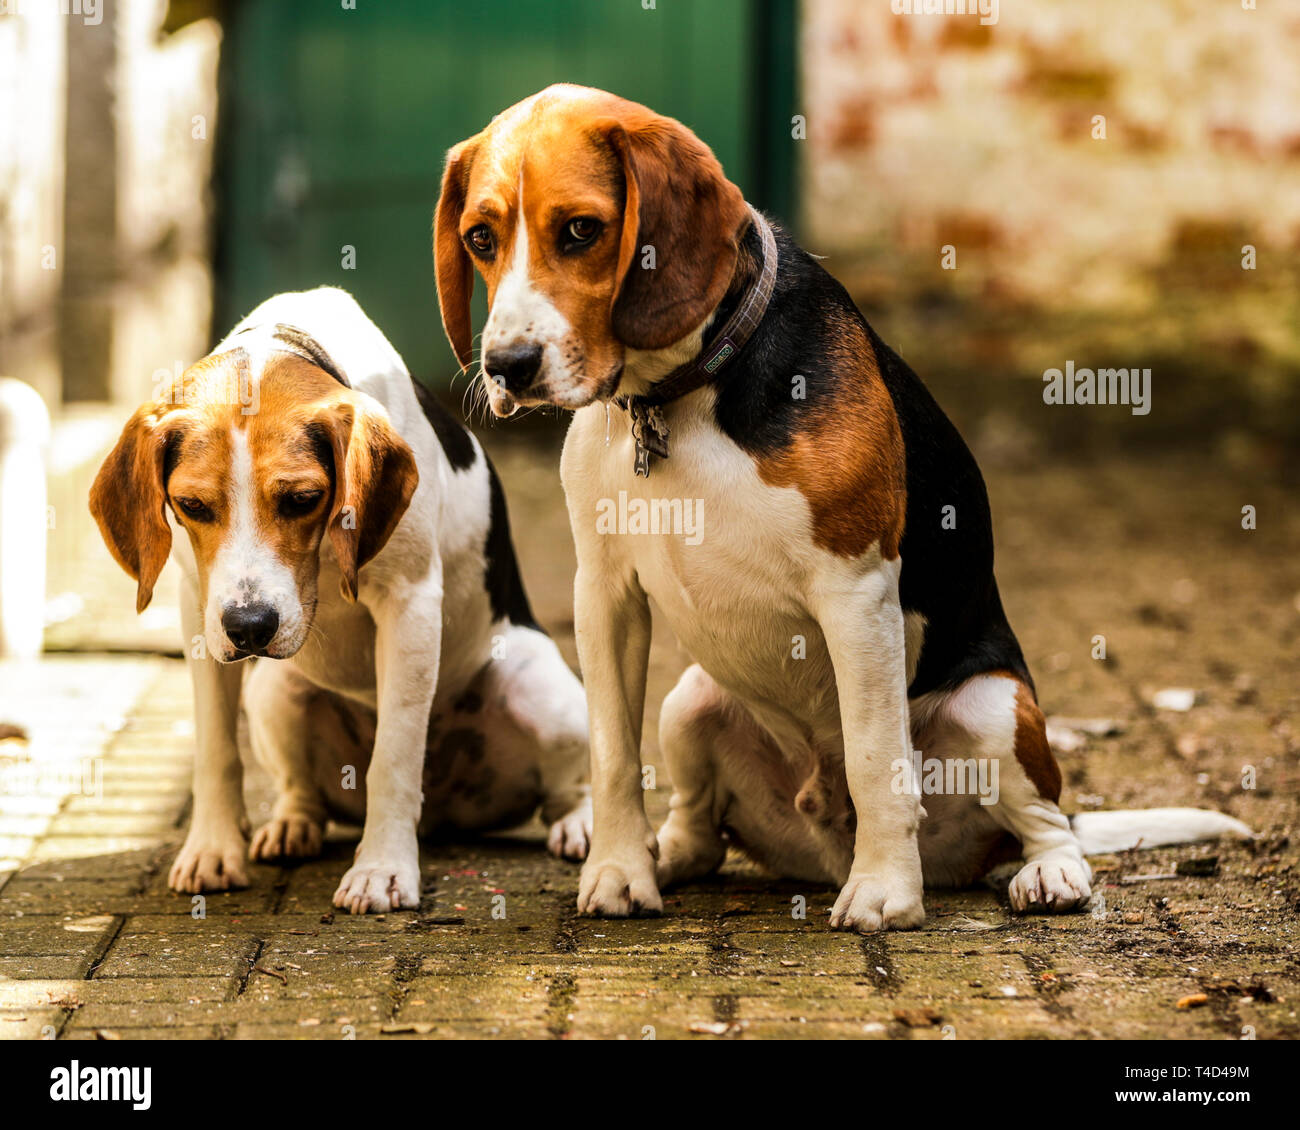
column 918, row 1017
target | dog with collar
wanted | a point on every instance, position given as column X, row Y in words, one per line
column 840, row 604
column 331, row 519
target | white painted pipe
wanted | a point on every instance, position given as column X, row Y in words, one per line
column 24, row 440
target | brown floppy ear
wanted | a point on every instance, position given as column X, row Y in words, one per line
column 679, row 202
column 374, row 478
column 129, row 504
column 455, row 272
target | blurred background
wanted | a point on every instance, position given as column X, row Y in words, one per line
column 1097, row 169
column 1111, row 183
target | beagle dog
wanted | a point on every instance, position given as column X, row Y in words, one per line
column 331, row 519
column 836, row 591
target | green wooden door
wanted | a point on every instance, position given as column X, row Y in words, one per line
column 335, row 121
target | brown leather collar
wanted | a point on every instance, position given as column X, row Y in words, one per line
column 649, row 429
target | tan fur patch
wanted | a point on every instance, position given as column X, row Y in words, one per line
column 1032, row 751
column 848, row 460
column 291, row 391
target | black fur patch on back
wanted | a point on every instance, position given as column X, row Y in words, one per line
column 505, row 586
column 301, row 342
column 947, row 575
column 451, row 433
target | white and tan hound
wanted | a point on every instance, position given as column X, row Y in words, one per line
column 330, row 518
column 839, row 602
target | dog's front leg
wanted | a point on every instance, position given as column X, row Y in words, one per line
column 212, row 857
column 863, row 624
column 612, row 622
column 408, row 645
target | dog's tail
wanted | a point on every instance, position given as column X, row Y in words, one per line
column 1102, row 832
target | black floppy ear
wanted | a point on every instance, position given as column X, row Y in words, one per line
column 678, row 202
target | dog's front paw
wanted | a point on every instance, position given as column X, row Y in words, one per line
column 879, row 900
column 379, row 884
column 570, row 835
column 286, row 837
column 209, row 860
column 1051, row 886
column 620, row 886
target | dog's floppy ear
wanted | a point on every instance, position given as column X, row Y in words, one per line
column 455, row 272
column 129, row 504
column 678, row 202
column 374, row 478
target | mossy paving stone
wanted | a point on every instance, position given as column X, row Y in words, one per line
column 394, row 1030
column 30, row 1023
column 73, row 993
column 348, row 973
column 178, row 1032
column 166, row 1014
column 215, row 954
column 63, row 936
column 44, row 968
column 486, row 997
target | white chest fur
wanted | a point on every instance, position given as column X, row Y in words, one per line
column 727, row 558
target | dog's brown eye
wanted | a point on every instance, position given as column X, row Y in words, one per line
column 193, row 507
column 581, row 231
column 300, row 502
column 480, row 239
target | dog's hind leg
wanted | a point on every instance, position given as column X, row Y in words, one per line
column 279, row 702
column 731, row 783
column 691, row 722
column 989, row 721
column 540, row 697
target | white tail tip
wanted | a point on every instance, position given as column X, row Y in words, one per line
column 1101, row 832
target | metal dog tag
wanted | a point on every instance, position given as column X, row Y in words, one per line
column 650, row 432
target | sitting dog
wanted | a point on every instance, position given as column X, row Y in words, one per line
column 838, row 595
column 330, row 518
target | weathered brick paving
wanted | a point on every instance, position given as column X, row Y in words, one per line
column 93, row 944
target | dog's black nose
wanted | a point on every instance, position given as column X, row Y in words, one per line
column 250, row 627
column 517, row 365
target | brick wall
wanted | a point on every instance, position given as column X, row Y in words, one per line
column 931, row 130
